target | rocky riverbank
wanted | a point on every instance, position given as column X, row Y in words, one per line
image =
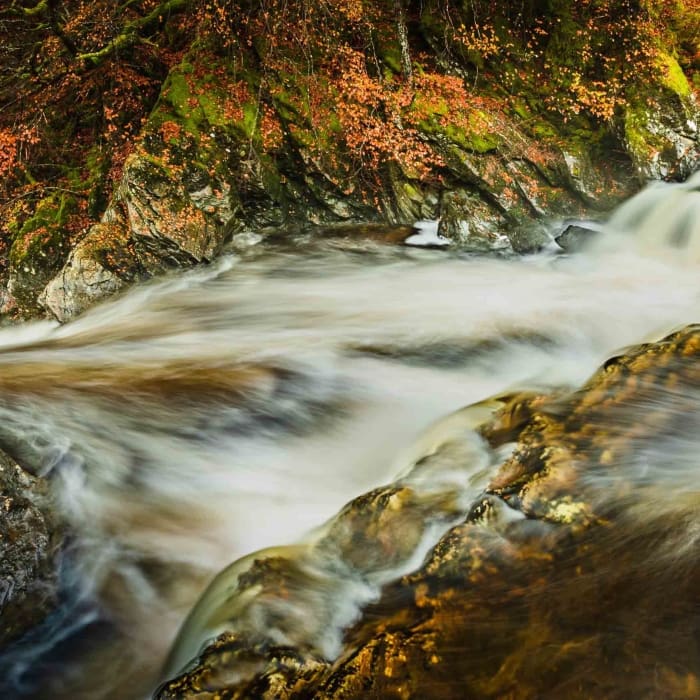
column 491, row 124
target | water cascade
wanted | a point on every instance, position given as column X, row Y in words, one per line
column 213, row 413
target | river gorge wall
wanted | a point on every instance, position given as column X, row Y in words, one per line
column 262, row 121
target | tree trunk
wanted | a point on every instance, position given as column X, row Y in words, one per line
column 402, row 32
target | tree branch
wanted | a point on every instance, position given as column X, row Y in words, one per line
column 47, row 8
column 402, row 32
column 38, row 9
column 130, row 35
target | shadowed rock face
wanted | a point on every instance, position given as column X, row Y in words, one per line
column 28, row 548
column 573, row 574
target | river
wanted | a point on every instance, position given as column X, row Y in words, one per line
column 214, row 412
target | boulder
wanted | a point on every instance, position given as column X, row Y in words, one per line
column 86, row 277
column 572, row 572
column 576, row 235
column 29, row 544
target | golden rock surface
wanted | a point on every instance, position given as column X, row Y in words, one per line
column 574, row 574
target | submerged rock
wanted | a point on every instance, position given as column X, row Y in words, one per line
column 572, row 573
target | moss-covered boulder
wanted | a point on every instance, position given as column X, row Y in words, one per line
column 100, row 265
column 38, row 250
column 660, row 128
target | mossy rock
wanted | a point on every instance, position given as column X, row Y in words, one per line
column 468, row 220
column 39, row 249
column 660, row 127
column 661, row 137
column 104, row 262
column 473, row 136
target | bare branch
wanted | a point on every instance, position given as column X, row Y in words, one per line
column 131, row 33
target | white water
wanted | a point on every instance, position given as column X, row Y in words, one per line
column 202, row 417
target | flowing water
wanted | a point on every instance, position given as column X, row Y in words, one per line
column 210, row 414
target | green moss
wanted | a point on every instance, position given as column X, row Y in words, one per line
column 199, row 101
column 672, row 75
column 477, row 141
column 521, row 109
column 177, row 94
column 39, row 235
column 110, row 244
column 194, row 104
column 472, row 137
column 161, row 169
column 285, row 106
column 39, row 248
column 641, row 143
column 271, row 179
column 210, row 101
column 251, row 116
column 93, row 179
column 543, row 130
column 412, row 192
column 391, row 57
column 334, row 124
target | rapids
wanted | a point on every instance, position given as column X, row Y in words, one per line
column 234, row 407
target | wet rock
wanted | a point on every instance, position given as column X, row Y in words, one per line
column 661, row 135
column 37, row 250
column 530, row 237
column 167, row 222
column 556, row 576
column 580, row 174
column 509, row 198
column 28, row 551
column 85, row 278
column 575, row 236
column 598, row 184
column 672, row 152
column 471, row 222
column 155, row 222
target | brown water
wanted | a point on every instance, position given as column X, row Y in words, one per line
column 227, row 409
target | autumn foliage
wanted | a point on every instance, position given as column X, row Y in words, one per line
column 354, row 86
column 73, row 96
